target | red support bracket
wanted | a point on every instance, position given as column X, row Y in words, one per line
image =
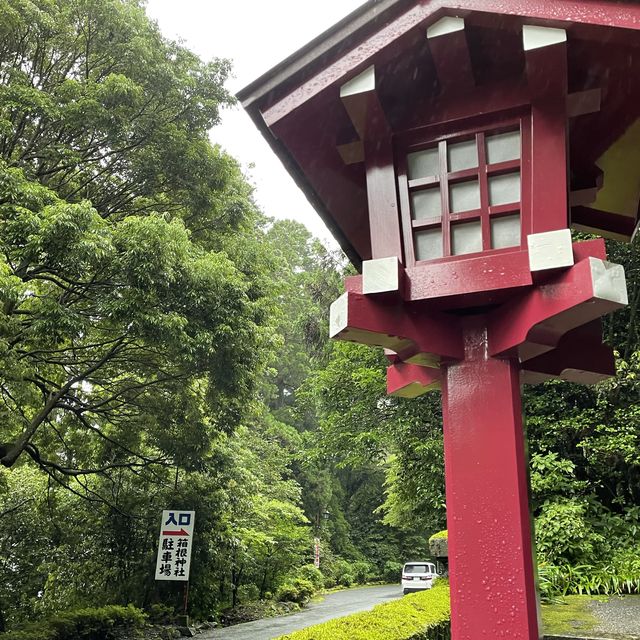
column 534, row 323
column 579, row 357
column 410, row 380
column 360, row 99
column 422, row 338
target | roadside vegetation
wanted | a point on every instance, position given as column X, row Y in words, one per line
column 163, row 345
column 426, row 616
column 419, row 616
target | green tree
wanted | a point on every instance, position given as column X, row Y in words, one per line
column 135, row 308
column 129, row 331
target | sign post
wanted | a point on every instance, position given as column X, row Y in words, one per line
column 316, row 552
column 174, row 548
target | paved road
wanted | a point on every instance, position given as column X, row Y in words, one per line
column 618, row 615
column 334, row 605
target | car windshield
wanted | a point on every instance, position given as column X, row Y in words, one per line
column 417, row 568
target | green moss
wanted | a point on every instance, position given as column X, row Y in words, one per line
column 440, row 534
column 572, row 616
column 420, row 616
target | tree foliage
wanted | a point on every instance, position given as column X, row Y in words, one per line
column 135, row 319
column 124, row 322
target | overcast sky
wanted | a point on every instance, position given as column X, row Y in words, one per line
column 255, row 35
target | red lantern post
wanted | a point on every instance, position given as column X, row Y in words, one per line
column 450, row 146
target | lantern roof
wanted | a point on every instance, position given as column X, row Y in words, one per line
column 394, row 48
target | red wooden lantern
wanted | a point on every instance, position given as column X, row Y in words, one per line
column 451, row 145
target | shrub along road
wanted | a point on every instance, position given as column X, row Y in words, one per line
column 334, row 605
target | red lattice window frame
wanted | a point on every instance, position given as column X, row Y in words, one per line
column 482, row 221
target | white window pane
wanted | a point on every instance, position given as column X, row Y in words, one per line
column 464, row 196
column 428, row 244
column 462, row 155
column 505, row 232
column 426, row 204
column 423, row 164
column 504, row 189
column 503, row 147
column 466, row 238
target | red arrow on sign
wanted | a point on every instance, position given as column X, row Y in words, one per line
column 182, row 532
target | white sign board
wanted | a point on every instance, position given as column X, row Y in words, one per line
column 176, row 540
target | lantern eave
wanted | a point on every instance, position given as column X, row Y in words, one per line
column 298, row 109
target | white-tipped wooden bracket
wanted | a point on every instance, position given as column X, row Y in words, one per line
column 365, row 81
column 362, row 103
column 609, row 282
column 450, row 53
column 550, row 250
column 359, row 98
column 383, row 275
column 445, row 26
column 534, row 37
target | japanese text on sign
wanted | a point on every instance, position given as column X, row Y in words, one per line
column 174, row 549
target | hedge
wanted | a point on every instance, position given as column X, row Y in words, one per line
column 81, row 624
column 444, row 534
column 419, row 616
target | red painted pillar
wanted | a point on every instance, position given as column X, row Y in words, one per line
column 490, row 556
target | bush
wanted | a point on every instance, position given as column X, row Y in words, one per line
column 82, row 624
column 346, row 580
column 392, row 571
column 566, row 532
column 420, row 616
column 329, row 581
column 256, row 610
column 160, row 613
column 35, row 631
column 248, row 593
column 297, row 590
column 361, row 571
column 343, row 573
column 617, row 578
column 440, row 535
column 311, row 573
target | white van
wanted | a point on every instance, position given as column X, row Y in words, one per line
column 417, row 576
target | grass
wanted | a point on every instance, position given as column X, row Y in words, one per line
column 572, row 616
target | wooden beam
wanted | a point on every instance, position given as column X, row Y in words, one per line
column 579, row 357
column 455, row 280
column 535, row 322
column 450, row 53
column 581, row 103
column 425, row 338
column 410, row 381
column 546, row 68
column 361, row 102
column 606, row 223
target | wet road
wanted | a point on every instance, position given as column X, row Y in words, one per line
column 334, row 605
column 618, row 615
